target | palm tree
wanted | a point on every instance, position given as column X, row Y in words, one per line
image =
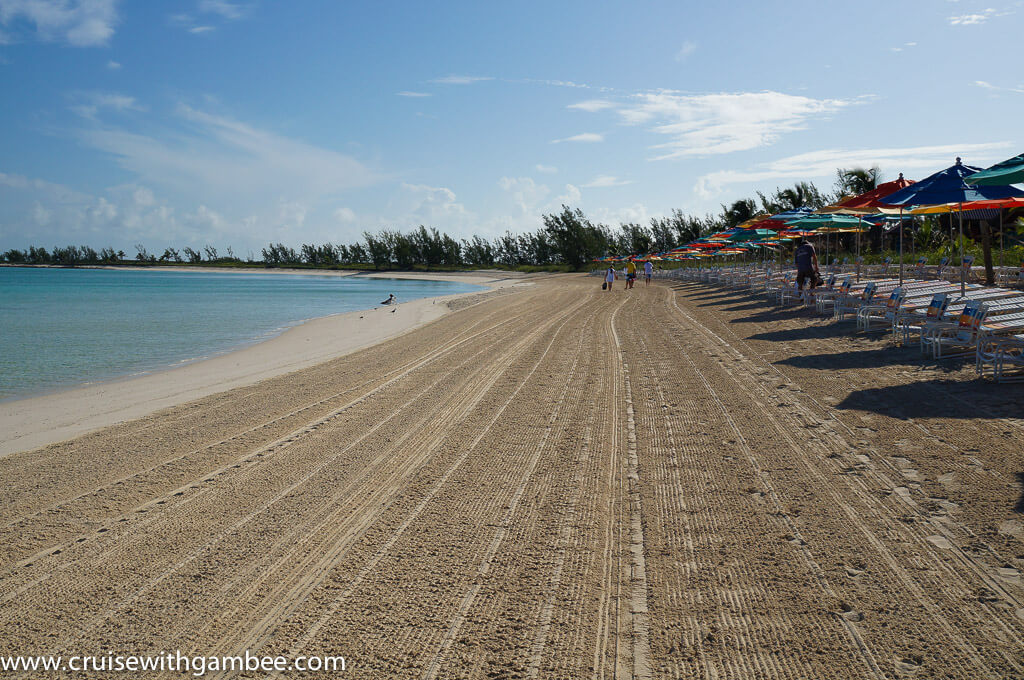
column 856, row 181
column 740, row 211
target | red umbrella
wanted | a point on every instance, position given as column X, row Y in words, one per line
column 870, row 202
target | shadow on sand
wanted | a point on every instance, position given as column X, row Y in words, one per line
column 784, row 314
column 935, row 399
column 880, row 357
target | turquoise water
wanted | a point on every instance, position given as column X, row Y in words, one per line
column 65, row 327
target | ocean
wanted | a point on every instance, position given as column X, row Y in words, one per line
column 65, row 327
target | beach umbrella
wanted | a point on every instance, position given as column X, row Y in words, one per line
column 827, row 223
column 947, row 186
column 977, row 210
column 868, row 203
column 1010, row 171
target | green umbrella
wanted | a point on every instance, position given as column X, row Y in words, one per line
column 831, row 221
column 1010, row 171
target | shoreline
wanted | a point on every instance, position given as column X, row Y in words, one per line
column 35, row 421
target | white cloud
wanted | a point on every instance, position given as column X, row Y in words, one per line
column 79, row 23
column 527, row 195
column 460, row 80
column 63, row 215
column 214, row 159
column 989, row 86
column 292, row 213
column 228, row 10
column 571, row 196
column 637, row 213
column 432, row 206
column 593, row 105
column 406, row 93
column 817, row 164
column 206, row 220
column 143, row 196
column 213, row 10
column 973, row 19
column 708, row 124
column 606, row 181
column 345, row 215
column 589, row 137
column 91, row 103
column 113, row 65
column 546, row 169
column 40, row 215
column 688, row 48
column 552, row 83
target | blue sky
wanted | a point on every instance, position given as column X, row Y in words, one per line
column 236, row 123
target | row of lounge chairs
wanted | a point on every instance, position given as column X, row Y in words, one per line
column 987, row 322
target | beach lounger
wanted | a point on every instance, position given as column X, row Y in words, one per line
column 906, row 323
column 884, row 314
column 965, row 335
column 850, row 304
column 811, row 294
column 1002, row 353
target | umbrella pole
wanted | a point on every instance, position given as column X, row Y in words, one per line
column 901, row 245
column 1000, row 239
column 860, row 225
column 913, row 245
column 963, row 273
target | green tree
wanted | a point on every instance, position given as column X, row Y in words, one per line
column 378, row 249
column 739, row 211
column 856, row 181
column 574, row 238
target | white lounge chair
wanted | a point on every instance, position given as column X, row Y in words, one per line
column 886, row 314
column 965, row 335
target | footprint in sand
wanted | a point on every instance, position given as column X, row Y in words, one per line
column 903, row 492
column 1012, row 527
column 1009, row 574
column 909, row 664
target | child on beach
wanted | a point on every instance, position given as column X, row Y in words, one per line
column 609, row 277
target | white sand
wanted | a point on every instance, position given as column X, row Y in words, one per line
column 30, row 423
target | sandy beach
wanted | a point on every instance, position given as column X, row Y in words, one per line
column 544, row 481
column 33, row 422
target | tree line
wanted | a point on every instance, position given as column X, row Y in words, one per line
column 568, row 238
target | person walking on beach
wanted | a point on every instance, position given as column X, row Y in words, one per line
column 806, row 264
column 609, row 277
column 630, row 274
column 648, row 272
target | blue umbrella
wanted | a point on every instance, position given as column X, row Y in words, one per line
column 792, row 214
column 946, row 186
